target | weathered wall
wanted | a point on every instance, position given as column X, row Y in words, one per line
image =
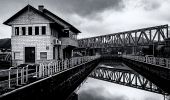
column 29, row 17
column 40, row 43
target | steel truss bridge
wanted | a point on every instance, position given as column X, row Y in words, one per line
column 125, row 77
column 151, row 36
column 134, row 38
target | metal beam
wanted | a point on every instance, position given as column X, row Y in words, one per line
column 127, row 38
column 125, row 77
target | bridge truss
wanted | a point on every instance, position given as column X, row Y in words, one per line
column 125, row 77
column 139, row 37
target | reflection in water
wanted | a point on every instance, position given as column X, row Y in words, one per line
column 94, row 89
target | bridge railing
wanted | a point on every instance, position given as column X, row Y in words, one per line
column 15, row 77
column 47, row 69
column 18, row 76
column 163, row 62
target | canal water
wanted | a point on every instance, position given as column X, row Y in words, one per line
column 94, row 89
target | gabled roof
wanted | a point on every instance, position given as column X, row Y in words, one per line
column 26, row 9
column 5, row 43
column 56, row 18
column 45, row 13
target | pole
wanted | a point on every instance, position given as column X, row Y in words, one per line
column 153, row 50
column 9, row 78
column 17, row 76
column 27, row 73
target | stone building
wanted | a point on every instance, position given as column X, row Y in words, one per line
column 39, row 35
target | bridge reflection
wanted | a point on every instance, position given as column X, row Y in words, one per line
column 124, row 76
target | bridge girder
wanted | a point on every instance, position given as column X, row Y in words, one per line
column 139, row 37
column 125, row 77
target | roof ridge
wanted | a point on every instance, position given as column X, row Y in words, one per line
column 57, row 17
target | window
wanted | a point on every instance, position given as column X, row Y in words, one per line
column 66, row 33
column 23, row 30
column 36, row 30
column 43, row 55
column 16, row 55
column 43, row 30
column 16, row 30
column 29, row 30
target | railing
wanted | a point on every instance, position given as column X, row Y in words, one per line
column 15, row 77
column 5, row 57
column 163, row 62
column 47, row 69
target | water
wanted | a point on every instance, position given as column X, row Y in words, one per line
column 94, row 89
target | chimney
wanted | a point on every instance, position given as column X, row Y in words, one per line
column 40, row 7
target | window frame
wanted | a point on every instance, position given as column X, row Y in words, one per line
column 43, row 30
column 23, row 29
column 37, row 30
column 29, row 30
column 16, row 31
column 16, row 57
column 45, row 56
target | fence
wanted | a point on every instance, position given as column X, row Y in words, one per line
column 5, row 57
column 47, row 69
column 19, row 76
column 163, row 62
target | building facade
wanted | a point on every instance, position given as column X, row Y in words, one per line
column 39, row 35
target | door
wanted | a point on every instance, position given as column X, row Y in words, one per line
column 29, row 54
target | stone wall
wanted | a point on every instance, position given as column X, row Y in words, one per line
column 40, row 42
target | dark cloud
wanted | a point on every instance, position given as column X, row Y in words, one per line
column 151, row 4
column 99, row 93
column 88, row 7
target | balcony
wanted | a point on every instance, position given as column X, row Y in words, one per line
column 69, row 41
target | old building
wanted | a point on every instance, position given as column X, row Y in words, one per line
column 39, row 35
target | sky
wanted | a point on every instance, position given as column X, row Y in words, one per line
column 95, row 17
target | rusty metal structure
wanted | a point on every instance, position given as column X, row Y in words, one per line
column 134, row 38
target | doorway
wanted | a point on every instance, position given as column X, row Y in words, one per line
column 29, row 54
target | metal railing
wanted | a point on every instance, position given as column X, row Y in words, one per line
column 47, row 69
column 163, row 62
column 15, row 77
column 5, row 57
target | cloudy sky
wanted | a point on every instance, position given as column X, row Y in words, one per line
column 95, row 17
